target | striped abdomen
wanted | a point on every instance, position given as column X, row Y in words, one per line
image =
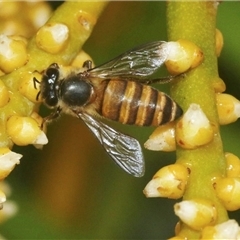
column 130, row 102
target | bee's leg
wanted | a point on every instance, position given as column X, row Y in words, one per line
column 51, row 117
column 35, row 81
column 87, row 64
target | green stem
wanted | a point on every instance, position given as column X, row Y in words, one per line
column 195, row 21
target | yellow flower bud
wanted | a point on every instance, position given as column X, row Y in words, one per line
column 24, row 131
column 193, row 129
column 228, row 108
column 10, row 209
column 8, row 160
column 43, row 125
column 196, row 213
column 37, row 118
column 233, row 165
column 53, row 37
column 4, row 95
column 219, row 85
column 219, row 42
column 2, row 197
column 226, row 230
column 13, row 53
column 28, row 87
column 170, row 181
column 80, row 59
column 4, row 186
column 38, row 12
column 228, row 190
column 162, row 139
column 182, row 56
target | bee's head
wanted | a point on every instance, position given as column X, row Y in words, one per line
column 49, row 85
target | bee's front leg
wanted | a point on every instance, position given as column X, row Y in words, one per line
column 51, row 117
column 87, row 64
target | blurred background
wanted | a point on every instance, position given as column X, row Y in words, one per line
column 72, row 189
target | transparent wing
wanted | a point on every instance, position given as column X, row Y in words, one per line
column 139, row 62
column 124, row 150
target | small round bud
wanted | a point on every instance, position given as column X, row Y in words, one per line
column 228, row 108
column 233, row 165
column 162, row 139
column 219, row 85
column 196, row 213
column 219, row 42
column 8, row 210
column 53, row 37
column 169, row 181
column 193, row 129
column 80, row 59
column 2, row 197
column 13, row 53
column 226, row 230
column 24, row 131
column 228, row 190
column 8, row 160
column 182, row 56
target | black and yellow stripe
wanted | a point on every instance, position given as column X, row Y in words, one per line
column 130, row 102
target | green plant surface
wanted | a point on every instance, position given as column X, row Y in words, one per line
column 196, row 21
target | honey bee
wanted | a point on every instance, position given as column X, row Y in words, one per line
column 117, row 90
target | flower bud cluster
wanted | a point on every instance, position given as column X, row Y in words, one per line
column 228, row 106
column 19, row 123
column 36, row 13
column 191, row 131
column 22, row 63
column 19, row 129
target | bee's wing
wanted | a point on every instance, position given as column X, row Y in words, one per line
column 139, row 62
column 124, row 150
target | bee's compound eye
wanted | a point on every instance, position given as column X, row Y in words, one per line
column 75, row 92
